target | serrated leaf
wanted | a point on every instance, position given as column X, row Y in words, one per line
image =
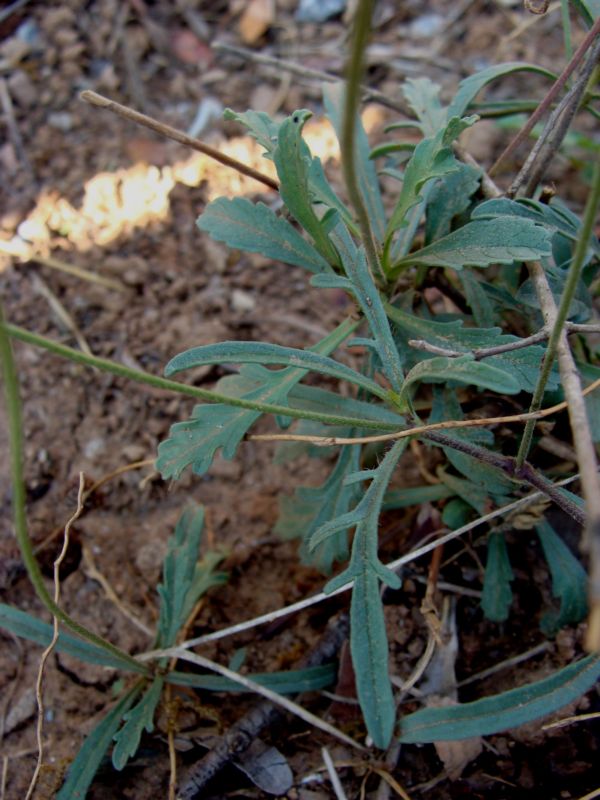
column 255, row 228
column 423, row 97
column 89, row 757
column 272, row 354
column 360, row 283
column 309, row 679
column 215, row 427
column 368, row 182
column 259, row 125
column 27, row 627
column 184, row 579
column 481, row 243
column 464, row 369
column 368, row 642
column 127, row 739
column 497, row 595
column 569, row 581
column 450, row 197
column 503, row 711
column 293, row 160
column 523, row 363
column 432, row 158
column 304, row 513
column 471, row 86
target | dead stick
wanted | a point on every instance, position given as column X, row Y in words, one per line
column 264, row 714
column 172, row 133
column 549, row 98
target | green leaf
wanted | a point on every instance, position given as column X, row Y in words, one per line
column 414, row 496
column 256, row 229
column 471, row 86
column 523, row 364
column 501, row 712
column 315, row 399
column 368, row 181
column 368, row 642
column 321, row 192
column 497, row 594
column 88, row 759
column 266, row 353
column 27, row 627
column 304, row 513
column 432, row 158
column 293, row 160
column 259, row 125
column 450, row 197
column 569, row 581
column 479, row 303
column 481, row 243
column 184, row 580
column 196, row 441
column 139, row 717
column 464, row 369
column 369, row 650
column 423, row 97
column 361, row 285
column 589, row 10
column 309, row 679
column 475, row 496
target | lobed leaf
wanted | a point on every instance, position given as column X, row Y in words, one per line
column 569, row 581
column 89, row 757
column 503, row 711
column 259, row 125
column 308, row 509
column 481, row 243
column 422, row 95
column 441, row 369
column 256, row 229
column 497, row 594
column 432, row 158
column 450, row 196
column 368, row 643
column 141, row 716
column 184, row 579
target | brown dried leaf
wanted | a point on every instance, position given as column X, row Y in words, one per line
column 257, row 18
column 458, row 754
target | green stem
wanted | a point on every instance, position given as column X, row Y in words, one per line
column 15, row 431
column 573, row 277
column 354, row 73
column 106, row 365
column 566, row 25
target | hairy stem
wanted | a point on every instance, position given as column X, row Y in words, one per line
column 15, row 432
column 138, row 375
column 360, row 36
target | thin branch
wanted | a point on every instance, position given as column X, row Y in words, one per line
column 306, row 72
column 336, row 784
column 557, row 317
column 331, row 441
column 547, row 101
column 294, row 608
column 555, row 130
column 172, row 133
column 46, row 654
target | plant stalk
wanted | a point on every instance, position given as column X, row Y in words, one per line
column 15, row 431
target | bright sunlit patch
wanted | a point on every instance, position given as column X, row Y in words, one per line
column 116, row 203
